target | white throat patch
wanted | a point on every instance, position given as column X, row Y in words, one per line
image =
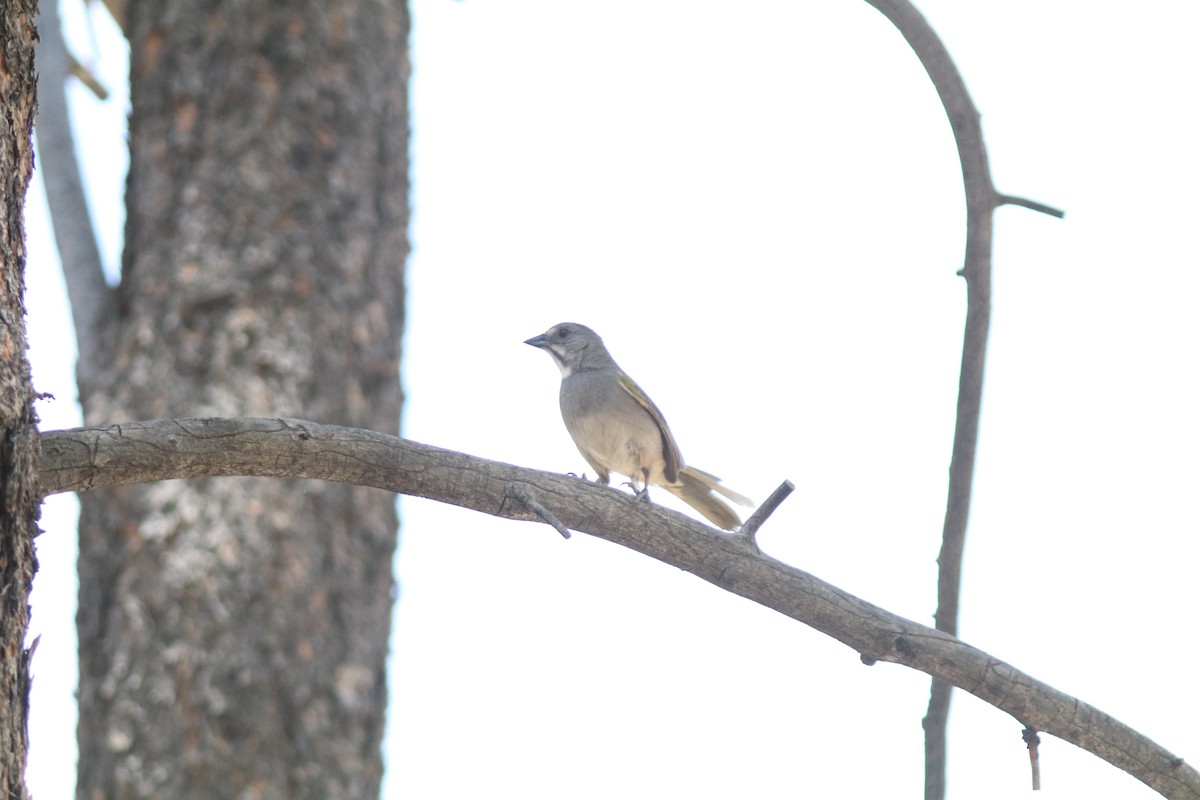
column 560, row 362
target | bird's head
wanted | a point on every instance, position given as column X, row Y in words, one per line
column 572, row 346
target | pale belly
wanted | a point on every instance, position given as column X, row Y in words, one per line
column 628, row 448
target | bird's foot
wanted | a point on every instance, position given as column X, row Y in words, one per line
column 640, row 492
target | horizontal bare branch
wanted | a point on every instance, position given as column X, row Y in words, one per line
column 89, row 458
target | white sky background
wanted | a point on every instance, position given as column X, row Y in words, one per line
column 759, row 207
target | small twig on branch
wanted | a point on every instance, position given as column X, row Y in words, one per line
column 522, row 493
column 1032, row 205
column 750, row 526
column 1030, row 735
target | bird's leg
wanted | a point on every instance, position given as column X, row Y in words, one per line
column 644, row 493
column 640, row 491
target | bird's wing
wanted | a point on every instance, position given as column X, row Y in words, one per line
column 670, row 449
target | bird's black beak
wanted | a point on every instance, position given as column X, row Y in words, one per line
column 538, row 341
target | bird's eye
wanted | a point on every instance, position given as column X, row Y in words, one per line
column 562, row 333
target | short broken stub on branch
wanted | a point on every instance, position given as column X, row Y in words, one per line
column 749, row 528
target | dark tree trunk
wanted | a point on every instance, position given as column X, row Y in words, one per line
column 232, row 632
column 19, row 500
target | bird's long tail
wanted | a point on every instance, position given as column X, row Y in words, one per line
column 699, row 490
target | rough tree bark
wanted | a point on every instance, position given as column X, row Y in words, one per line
column 233, row 634
column 19, row 454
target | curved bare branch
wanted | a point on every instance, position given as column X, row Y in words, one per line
column 73, row 232
column 89, row 458
column 982, row 200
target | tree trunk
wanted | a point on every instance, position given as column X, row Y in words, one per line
column 233, row 632
column 19, row 499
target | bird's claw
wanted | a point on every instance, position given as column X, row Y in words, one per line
column 642, row 493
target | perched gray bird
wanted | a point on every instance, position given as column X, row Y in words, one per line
column 618, row 428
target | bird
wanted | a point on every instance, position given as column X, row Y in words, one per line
column 617, row 427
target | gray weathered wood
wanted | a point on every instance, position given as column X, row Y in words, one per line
column 85, row 459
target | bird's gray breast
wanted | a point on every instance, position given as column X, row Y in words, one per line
column 608, row 425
